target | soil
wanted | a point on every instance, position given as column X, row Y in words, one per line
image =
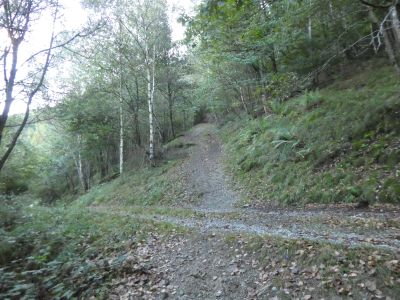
column 205, row 181
column 203, row 265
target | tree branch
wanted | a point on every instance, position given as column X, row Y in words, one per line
column 63, row 44
column 374, row 5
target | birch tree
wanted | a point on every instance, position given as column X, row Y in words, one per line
column 148, row 25
column 121, row 102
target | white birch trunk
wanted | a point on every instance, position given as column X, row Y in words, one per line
column 121, row 134
column 309, row 29
column 150, row 96
column 121, row 117
column 79, row 164
column 396, row 25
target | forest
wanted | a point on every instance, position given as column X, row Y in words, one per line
column 199, row 149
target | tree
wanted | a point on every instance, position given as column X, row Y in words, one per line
column 267, row 51
column 149, row 27
column 389, row 24
column 17, row 18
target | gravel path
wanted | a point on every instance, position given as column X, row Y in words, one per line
column 202, row 265
column 206, row 181
column 205, row 176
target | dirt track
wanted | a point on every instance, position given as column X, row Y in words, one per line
column 203, row 265
column 206, row 182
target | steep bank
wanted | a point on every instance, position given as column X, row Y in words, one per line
column 340, row 144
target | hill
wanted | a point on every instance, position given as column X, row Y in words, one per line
column 337, row 144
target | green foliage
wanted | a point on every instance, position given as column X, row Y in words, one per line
column 144, row 187
column 333, row 145
column 67, row 252
column 255, row 53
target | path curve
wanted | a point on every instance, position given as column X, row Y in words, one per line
column 206, row 180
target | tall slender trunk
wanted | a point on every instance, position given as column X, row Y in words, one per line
column 79, row 165
column 10, row 147
column 70, row 181
column 330, row 8
column 10, row 83
column 150, row 98
column 9, row 86
column 121, row 136
column 396, row 25
column 121, row 116
column 386, row 40
column 136, row 115
column 184, row 120
column 273, row 60
column 309, row 27
column 171, row 108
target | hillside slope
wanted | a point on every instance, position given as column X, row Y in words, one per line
column 338, row 144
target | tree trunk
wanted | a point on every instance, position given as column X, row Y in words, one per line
column 32, row 94
column 70, row 181
column 170, row 108
column 9, row 87
column 136, row 116
column 396, row 26
column 184, row 120
column 79, row 165
column 273, row 61
column 121, row 134
column 386, row 40
column 121, row 116
column 10, row 83
column 150, row 95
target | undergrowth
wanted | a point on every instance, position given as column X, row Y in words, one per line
column 144, row 187
column 339, row 144
column 58, row 252
column 75, row 250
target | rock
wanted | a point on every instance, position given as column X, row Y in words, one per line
column 295, row 271
column 371, row 286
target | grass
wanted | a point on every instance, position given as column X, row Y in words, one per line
column 58, row 252
column 177, row 143
column 338, row 144
column 143, row 187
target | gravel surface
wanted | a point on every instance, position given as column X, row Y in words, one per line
column 202, row 265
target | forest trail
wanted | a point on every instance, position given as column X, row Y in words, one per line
column 205, row 265
column 204, row 174
column 209, row 193
column 206, row 181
